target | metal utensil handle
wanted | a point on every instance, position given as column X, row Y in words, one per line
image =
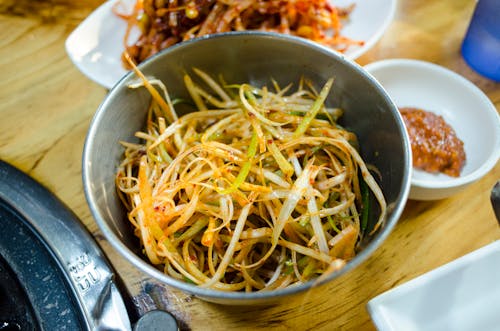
column 495, row 200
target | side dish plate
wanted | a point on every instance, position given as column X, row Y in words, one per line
column 463, row 295
column 95, row 46
column 472, row 115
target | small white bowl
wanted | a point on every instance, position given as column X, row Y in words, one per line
column 424, row 85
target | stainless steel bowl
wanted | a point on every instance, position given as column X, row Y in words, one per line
column 253, row 57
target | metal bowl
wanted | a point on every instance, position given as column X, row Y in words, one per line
column 254, row 57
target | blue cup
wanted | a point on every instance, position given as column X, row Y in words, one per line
column 481, row 45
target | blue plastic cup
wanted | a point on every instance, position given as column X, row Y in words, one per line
column 481, row 45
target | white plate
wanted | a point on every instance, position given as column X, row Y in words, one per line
column 95, row 46
column 463, row 295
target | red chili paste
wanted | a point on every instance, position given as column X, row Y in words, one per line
column 435, row 146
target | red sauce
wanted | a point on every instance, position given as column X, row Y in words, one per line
column 435, row 146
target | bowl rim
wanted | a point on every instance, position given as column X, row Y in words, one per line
column 257, row 296
column 487, row 106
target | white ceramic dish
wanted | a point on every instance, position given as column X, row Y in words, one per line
column 463, row 295
column 413, row 83
column 95, row 46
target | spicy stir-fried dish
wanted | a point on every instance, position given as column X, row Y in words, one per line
column 257, row 189
column 164, row 23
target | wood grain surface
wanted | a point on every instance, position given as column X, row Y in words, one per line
column 46, row 106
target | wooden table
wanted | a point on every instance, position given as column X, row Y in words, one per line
column 46, row 106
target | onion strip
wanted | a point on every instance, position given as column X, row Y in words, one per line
column 248, row 196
